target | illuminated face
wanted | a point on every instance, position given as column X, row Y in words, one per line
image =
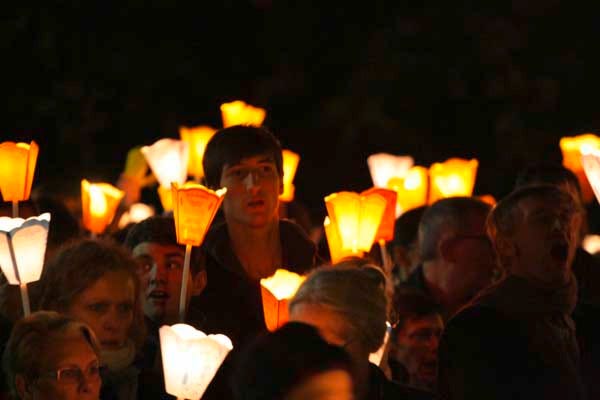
column 329, row 385
column 107, row 307
column 160, row 268
column 70, row 371
column 253, row 188
column 416, row 347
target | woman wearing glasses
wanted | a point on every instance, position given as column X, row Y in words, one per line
column 51, row 356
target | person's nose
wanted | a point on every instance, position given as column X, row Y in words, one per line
column 158, row 273
column 252, row 180
column 434, row 343
column 88, row 385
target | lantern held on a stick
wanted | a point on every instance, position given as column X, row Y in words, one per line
column 336, row 252
column 356, row 217
column 290, row 165
column 134, row 178
column 168, row 160
column 22, row 250
column 195, row 207
column 385, row 233
column 384, row 166
column 276, row 292
column 572, row 149
column 239, row 113
column 454, row 177
column 99, row 202
column 412, row 189
column 590, row 160
column 190, row 359
column 17, row 168
column 197, row 139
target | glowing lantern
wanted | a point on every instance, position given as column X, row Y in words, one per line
column 239, row 113
column 195, row 208
column 22, row 249
column 357, row 218
column 591, row 244
column 168, row 159
column 590, row 160
column 336, row 252
column 190, row 359
column 16, row 171
column 488, row 199
column 136, row 213
column 411, row 190
column 276, row 292
column 454, row 177
column 384, row 167
column 386, row 227
column 290, row 164
column 99, row 202
column 572, row 149
column 133, row 178
column 196, row 138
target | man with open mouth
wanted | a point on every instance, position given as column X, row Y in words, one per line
column 517, row 339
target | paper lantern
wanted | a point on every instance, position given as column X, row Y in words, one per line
column 572, row 149
column 384, row 167
column 336, row 252
column 591, row 244
column 99, row 202
column 454, row 177
column 290, row 165
column 168, row 159
column 488, row 199
column 239, row 113
column 196, row 138
column 17, row 169
column 136, row 213
column 276, row 291
column 412, row 190
column 133, row 178
column 386, row 227
column 590, row 161
column 190, row 359
column 22, row 250
column 357, row 218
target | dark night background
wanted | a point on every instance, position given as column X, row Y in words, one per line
column 501, row 81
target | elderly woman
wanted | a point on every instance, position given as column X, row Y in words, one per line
column 95, row 282
column 51, row 356
column 348, row 306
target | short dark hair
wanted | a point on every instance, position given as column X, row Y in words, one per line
column 443, row 216
column 232, row 144
column 277, row 362
column 410, row 303
column 552, row 174
column 406, row 227
column 161, row 229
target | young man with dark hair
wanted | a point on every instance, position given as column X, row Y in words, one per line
column 252, row 242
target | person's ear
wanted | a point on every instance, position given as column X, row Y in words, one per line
column 199, row 282
column 21, row 386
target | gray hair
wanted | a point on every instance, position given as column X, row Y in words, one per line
column 443, row 217
column 354, row 293
column 31, row 337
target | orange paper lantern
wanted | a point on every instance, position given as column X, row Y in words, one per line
column 239, row 113
column 386, row 227
column 411, row 190
column 99, row 202
column 195, row 206
column 571, row 148
column 357, row 218
column 276, row 291
column 336, row 252
column 17, row 168
column 290, row 165
column 196, row 138
column 454, row 177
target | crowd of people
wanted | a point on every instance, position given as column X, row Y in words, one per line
column 482, row 302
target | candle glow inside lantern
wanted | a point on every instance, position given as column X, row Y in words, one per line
column 99, row 202
column 572, row 149
column 591, row 244
column 168, row 160
column 190, row 359
column 356, row 217
column 590, row 160
column 196, row 138
column 17, row 168
column 336, row 252
column 290, row 165
column 384, row 166
column 276, row 292
column 195, row 207
column 412, row 190
column 137, row 213
column 22, row 250
column 454, row 177
column 239, row 113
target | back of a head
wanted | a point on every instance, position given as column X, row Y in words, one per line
column 279, row 361
column 445, row 217
column 32, row 337
column 550, row 174
column 230, row 145
column 406, row 227
column 355, row 294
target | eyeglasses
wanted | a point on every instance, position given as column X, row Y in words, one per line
column 74, row 375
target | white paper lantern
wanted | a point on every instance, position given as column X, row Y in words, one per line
column 384, row 166
column 168, row 159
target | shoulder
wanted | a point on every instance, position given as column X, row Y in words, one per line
column 383, row 388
